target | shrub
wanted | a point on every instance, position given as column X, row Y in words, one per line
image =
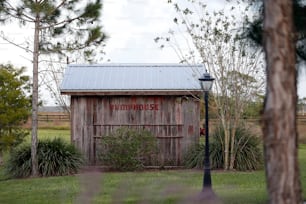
column 247, row 147
column 128, row 149
column 55, row 158
column 10, row 138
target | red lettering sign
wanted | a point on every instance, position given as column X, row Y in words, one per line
column 141, row 107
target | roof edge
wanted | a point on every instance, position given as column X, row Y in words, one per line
column 137, row 65
column 130, row 92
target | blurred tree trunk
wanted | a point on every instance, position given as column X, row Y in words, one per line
column 279, row 118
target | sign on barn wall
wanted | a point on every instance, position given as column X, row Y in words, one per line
column 137, row 107
column 134, row 104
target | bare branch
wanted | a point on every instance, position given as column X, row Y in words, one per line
column 15, row 44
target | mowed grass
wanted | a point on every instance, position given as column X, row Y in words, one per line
column 175, row 186
column 134, row 187
column 302, row 164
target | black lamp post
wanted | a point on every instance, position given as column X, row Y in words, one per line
column 206, row 82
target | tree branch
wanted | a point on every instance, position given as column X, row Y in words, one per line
column 12, row 8
column 60, row 5
column 59, row 23
column 15, row 44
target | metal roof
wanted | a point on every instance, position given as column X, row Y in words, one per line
column 131, row 77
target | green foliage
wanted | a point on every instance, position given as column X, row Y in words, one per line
column 65, row 27
column 248, row 154
column 253, row 109
column 128, row 149
column 11, row 138
column 14, row 105
column 55, row 158
column 254, row 28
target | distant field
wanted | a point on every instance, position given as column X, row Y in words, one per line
column 50, row 120
column 62, row 129
column 51, row 133
column 61, row 121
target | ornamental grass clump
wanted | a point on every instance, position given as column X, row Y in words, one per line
column 55, row 158
column 248, row 154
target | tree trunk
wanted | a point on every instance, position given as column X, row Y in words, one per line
column 226, row 146
column 279, row 118
column 233, row 152
column 35, row 101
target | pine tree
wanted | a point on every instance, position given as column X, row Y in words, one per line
column 60, row 27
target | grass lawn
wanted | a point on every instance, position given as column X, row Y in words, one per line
column 141, row 187
column 50, row 134
column 138, row 187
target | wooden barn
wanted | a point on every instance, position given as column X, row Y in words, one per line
column 162, row 98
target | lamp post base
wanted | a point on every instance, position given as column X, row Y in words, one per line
column 207, row 196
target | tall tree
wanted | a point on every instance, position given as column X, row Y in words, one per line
column 279, row 118
column 61, row 27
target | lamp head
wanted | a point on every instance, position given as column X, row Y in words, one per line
column 206, row 82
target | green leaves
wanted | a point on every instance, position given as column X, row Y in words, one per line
column 14, row 103
column 127, row 149
column 65, row 26
column 92, row 11
column 95, row 35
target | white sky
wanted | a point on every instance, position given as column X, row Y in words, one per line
column 132, row 26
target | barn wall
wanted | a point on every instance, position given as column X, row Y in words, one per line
column 174, row 120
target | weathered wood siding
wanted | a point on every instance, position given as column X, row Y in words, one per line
column 174, row 120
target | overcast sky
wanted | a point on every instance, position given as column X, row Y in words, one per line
column 131, row 25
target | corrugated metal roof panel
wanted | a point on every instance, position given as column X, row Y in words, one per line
column 121, row 77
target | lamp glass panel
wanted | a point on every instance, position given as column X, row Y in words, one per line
column 206, row 85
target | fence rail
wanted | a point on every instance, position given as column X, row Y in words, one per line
column 53, row 117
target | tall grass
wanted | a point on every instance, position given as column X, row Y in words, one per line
column 247, row 149
column 55, row 158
